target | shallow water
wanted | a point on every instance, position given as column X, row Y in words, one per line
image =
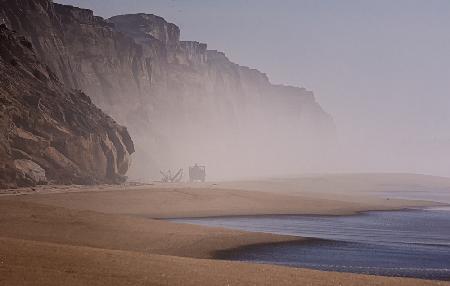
column 411, row 243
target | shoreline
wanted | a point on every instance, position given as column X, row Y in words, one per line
column 224, row 253
column 301, row 239
column 165, row 270
column 261, row 254
column 354, row 213
column 134, row 221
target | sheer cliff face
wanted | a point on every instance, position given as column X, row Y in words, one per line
column 49, row 133
column 181, row 102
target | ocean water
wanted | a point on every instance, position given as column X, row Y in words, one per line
column 409, row 243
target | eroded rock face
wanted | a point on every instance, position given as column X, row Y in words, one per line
column 181, row 102
column 49, row 133
column 29, row 173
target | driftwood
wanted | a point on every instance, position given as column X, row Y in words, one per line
column 167, row 176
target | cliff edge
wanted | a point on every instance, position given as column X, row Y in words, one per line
column 50, row 133
column 181, row 102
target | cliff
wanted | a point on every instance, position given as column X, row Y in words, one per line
column 181, row 102
column 49, row 133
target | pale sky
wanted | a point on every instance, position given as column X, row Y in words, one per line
column 380, row 68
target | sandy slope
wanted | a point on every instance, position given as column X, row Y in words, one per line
column 32, row 221
column 35, row 263
column 106, row 237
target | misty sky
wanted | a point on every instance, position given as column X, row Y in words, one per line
column 380, row 68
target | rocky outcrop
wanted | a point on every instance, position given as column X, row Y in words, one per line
column 181, row 102
column 49, row 133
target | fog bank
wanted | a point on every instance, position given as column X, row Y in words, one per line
column 379, row 68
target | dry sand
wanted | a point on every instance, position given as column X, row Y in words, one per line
column 35, row 263
column 106, row 236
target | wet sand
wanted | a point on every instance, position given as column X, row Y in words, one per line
column 107, row 236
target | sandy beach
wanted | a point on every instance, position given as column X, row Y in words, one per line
column 112, row 235
column 224, row 143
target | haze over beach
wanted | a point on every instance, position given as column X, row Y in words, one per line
column 224, row 142
column 379, row 68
